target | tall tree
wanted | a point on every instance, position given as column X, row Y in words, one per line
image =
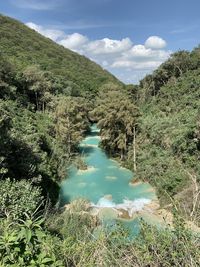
column 117, row 117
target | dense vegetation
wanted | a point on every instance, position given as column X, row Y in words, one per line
column 26, row 47
column 40, row 130
column 166, row 147
column 45, row 110
column 168, row 139
column 117, row 118
column 72, row 239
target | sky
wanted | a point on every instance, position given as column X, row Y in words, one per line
column 129, row 38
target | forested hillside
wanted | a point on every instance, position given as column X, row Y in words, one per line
column 26, row 47
column 43, row 112
column 168, row 134
column 46, row 107
column 154, row 129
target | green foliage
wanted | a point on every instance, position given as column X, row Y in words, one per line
column 27, row 244
column 74, row 223
column 178, row 64
column 46, row 102
column 37, row 87
column 25, row 47
column 18, row 198
column 166, row 247
column 71, row 121
column 74, row 238
column 7, row 90
column 117, row 117
column 152, row 247
column 167, row 142
column 40, row 129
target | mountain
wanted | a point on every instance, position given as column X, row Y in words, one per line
column 24, row 46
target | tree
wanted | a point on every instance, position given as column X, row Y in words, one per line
column 71, row 122
column 37, row 85
column 7, row 81
column 117, row 118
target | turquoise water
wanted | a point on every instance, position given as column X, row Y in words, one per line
column 105, row 183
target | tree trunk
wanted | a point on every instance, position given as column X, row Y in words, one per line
column 121, row 154
column 36, row 98
column 134, row 150
column 69, row 146
column 43, row 106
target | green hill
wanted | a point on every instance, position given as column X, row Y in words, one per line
column 45, row 98
column 24, row 46
column 169, row 133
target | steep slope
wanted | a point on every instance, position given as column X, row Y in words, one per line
column 168, row 138
column 25, row 47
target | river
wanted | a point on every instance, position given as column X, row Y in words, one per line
column 105, row 183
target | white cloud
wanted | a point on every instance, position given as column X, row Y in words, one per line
column 155, row 42
column 74, row 41
column 127, row 61
column 139, row 53
column 53, row 34
column 108, row 46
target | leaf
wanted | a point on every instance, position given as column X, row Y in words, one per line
column 28, row 235
column 47, row 260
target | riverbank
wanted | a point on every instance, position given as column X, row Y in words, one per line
column 151, row 212
column 110, row 188
column 128, row 211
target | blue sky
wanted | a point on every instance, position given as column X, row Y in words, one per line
column 127, row 37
